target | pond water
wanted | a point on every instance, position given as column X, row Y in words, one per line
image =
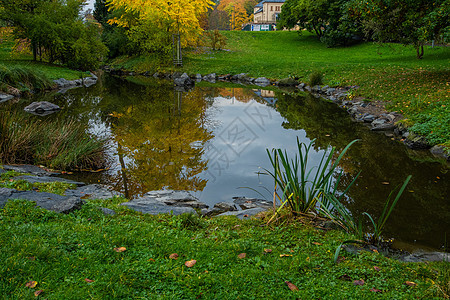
column 213, row 140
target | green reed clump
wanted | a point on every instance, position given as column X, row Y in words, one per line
column 56, row 144
column 303, row 185
column 24, row 78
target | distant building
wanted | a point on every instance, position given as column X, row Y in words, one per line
column 267, row 11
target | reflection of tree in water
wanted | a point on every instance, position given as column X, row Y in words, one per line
column 423, row 212
column 159, row 140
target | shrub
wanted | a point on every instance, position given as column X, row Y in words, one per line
column 316, row 78
column 215, row 40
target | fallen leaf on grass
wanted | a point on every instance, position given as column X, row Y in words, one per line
column 151, row 259
column 358, row 282
column 120, row 249
column 285, row 255
column 340, row 259
column 246, row 216
column 267, row 250
column 173, row 256
column 376, row 268
column 345, row 277
column 241, row 255
column 410, row 283
column 190, row 263
column 316, row 243
column 291, row 286
column 88, row 280
column 32, row 258
column 375, row 290
column 385, row 183
column 37, row 293
column 31, row 284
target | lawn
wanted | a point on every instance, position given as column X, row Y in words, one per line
column 25, row 59
column 87, row 255
column 417, row 88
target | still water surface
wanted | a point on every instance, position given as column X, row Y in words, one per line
column 213, row 141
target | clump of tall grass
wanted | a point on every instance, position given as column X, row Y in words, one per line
column 315, row 78
column 24, row 78
column 302, row 185
column 55, row 144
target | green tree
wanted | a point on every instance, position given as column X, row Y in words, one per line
column 55, row 30
column 328, row 19
column 412, row 22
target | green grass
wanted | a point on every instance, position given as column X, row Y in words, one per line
column 60, row 252
column 417, row 88
column 9, row 59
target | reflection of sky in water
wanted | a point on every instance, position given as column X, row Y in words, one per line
column 238, row 151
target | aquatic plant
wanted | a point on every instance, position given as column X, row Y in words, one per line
column 55, row 144
column 343, row 217
column 315, row 78
column 301, row 185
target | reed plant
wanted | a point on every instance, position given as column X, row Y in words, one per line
column 64, row 145
column 302, row 185
column 24, row 78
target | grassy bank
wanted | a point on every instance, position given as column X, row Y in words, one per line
column 64, row 145
column 21, row 72
column 128, row 255
column 417, row 88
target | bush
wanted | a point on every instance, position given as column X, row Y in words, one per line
column 215, row 40
column 316, row 78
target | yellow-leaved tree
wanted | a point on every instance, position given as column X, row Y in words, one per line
column 151, row 23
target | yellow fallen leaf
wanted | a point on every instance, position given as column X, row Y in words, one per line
column 190, row 263
column 410, row 283
column 38, row 292
column 267, row 250
column 31, row 284
column 120, row 249
column 316, row 243
column 285, row 255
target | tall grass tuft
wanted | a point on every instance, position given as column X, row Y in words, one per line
column 315, row 78
column 302, row 185
column 24, row 78
column 55, row 144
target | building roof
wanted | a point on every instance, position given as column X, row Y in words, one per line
column 260, row 4
column 258, row 11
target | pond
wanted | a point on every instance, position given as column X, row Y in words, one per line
column 212, row 140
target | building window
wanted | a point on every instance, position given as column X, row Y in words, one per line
column 271, row 8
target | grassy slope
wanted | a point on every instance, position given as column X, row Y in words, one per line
column 73, row 257
column 26, row 60
column 417, row 88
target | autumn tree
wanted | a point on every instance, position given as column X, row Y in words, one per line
column 151, row 23
column 239, row 11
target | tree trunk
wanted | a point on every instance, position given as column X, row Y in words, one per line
column 419, row 50
column 34, row 47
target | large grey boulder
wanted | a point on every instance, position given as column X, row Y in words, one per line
column 42, row 108
column 262, row 81
column 210, row 77
column 175, row 198
column 45, row 179
column 57, row 203
column 30, row 169
column 93, row 191
column 183, row 80
column 148, row 205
